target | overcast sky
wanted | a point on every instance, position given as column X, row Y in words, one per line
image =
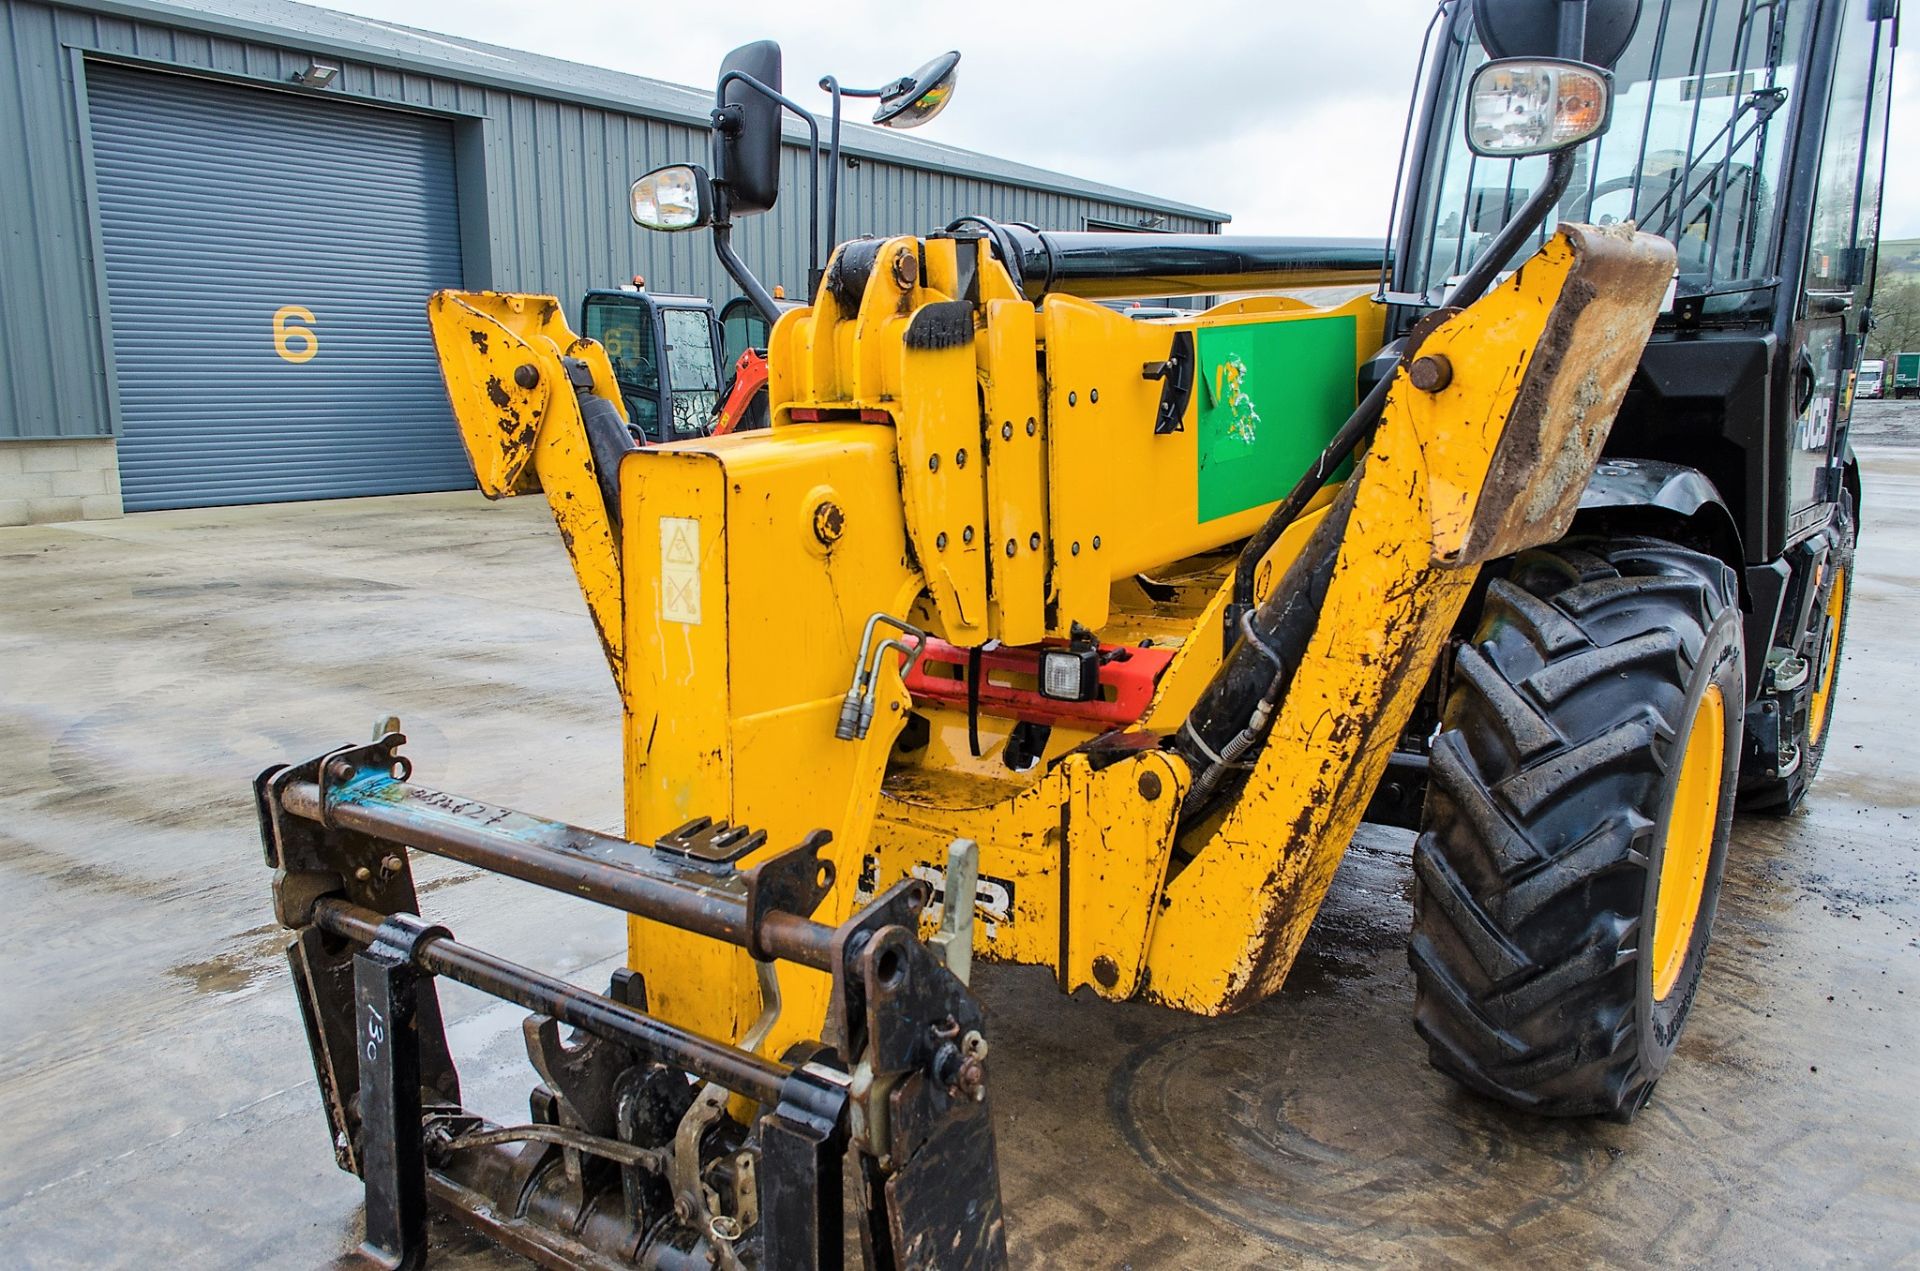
column 1285, row 113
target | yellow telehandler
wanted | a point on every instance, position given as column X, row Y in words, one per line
column 1034, row 633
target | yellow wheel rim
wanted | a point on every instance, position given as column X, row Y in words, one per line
column 1689, row 843
column 1830, row 659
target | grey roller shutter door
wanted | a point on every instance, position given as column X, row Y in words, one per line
column 230, row 212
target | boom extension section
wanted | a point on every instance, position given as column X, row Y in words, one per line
column 633, row 1154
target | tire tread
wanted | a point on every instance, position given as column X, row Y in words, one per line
column 1532, row 863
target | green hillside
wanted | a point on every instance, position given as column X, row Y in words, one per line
column 1899, row 256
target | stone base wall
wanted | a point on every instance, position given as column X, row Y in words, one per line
column 58, row 479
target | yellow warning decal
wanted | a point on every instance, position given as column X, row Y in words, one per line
column 680, row 569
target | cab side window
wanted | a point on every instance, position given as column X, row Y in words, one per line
column 1847, row 197
column 744, row 329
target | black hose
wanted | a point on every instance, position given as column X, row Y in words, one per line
column 1486, row 267
column 1358, row 425
column 1285, row 621
column 1225, row 722
column 608, row 439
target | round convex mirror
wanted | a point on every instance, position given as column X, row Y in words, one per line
column 912, row 101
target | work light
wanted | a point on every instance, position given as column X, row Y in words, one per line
column 1070, row 675
column 675, row 197
column 1524, row 106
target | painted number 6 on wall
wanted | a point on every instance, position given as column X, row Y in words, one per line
column 293, row 335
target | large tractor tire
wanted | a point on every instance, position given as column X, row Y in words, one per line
column 1577, row 815
column 1780, row 793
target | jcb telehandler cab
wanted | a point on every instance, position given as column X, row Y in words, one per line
column 1718, row 525
column 1033, row 633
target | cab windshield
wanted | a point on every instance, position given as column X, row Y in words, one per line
column 691, row 370
column 624, row 327
column 1703, row 98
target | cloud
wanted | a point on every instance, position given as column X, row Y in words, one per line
column 1288, row 114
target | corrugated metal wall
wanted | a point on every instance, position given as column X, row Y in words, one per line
column 229, row 214
column 52, row 379
column 554, row 176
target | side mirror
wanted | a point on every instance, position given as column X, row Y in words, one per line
column 676, row 197
column 1532, row 28
column 916, row 98
column 746, row 135
column 1523, row 106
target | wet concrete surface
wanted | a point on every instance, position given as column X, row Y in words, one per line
column 159, row 1107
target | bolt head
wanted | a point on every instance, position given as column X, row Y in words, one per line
column 829, row 522
column 1431, row 372
column 527, row 375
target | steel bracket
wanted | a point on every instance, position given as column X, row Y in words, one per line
column 393, row 1156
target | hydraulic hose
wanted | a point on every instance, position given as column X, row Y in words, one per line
column 1233, row 712
column 1231, row 717
column 1486, row 267
column 1098, row 265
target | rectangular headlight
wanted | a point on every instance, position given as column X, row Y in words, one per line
column 1070, row 675
column 1524, row 106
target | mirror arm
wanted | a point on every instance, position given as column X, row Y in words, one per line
column 1573, row 30
column 1360, row 424
column 834, row 88
column 1532, row 214
column 754, row 290
column 813, row 134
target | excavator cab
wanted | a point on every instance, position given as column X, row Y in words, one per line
column 665, row 354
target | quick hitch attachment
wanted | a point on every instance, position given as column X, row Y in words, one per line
column 633, row 1153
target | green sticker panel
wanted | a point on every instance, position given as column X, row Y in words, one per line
column 1271, row 395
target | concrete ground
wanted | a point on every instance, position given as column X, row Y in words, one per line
column 158, row 1107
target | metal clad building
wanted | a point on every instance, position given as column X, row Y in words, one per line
column 212, row 277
